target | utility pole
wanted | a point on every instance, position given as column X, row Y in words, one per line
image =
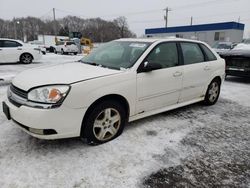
column 166, row 16
column 239, row 19
column 54, row 16
column 15, row 32
column 191, row 20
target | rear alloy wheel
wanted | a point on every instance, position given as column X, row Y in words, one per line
column 26, row 58
column 105, row 122
column 62, row 52
column 213, row 92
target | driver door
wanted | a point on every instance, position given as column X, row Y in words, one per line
column 162, row 87
column 2, row 57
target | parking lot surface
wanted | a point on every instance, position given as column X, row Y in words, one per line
column 195, row 146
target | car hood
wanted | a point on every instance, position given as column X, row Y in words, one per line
column 67, row 73
column 236, row 52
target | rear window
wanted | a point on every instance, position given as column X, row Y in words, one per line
column 209, row 54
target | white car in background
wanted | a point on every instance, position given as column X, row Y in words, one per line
column 119, row 82
column 66, row 47
column 222, row 47
column 13, row 51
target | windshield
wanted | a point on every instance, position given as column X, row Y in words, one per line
column 222, row 46
column 116, row 54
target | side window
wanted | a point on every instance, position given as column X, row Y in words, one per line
column 209, row 54
column 191, row 53
column 165, row 54
column 1, row 43
column 11, row 44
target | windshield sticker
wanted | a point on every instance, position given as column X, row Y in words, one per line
column 137, row 45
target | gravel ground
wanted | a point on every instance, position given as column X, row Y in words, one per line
column 195, row 146
column 218, row 149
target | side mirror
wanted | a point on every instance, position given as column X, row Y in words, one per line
column 149, row 66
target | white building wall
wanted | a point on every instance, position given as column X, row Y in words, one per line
column 231, row 35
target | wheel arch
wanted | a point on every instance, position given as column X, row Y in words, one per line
column 217, row 78
column 115, row 97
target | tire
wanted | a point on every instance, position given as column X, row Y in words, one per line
column 26, row 58
column 75, row 53
column 62, row 52
column 44, row 53
column 104, row 122
column 213, row 92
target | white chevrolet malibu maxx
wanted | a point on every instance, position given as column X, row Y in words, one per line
column 121, row 81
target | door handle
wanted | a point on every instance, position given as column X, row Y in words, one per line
column 207, row 68
column 19, row 48
column 1, row 49
column 176, row 74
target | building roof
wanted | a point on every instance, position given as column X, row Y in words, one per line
column 195, row 28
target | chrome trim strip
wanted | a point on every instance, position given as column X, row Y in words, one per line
column 158, row 95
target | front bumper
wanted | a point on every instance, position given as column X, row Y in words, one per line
column 37, row 56
column 238, row 72
column 66, row 122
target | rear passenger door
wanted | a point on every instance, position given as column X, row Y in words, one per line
column 196, row 71
column 2, row 58
column 12, row 50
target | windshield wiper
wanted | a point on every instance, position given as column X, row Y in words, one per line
column 89, row 63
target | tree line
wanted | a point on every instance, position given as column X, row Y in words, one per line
column 97, row 29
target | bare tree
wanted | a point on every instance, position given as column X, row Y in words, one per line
column 97, row 29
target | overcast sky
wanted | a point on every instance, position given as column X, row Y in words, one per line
column 140, row 14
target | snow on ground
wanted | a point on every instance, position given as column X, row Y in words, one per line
column 192, row 146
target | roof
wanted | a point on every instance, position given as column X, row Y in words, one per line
column 162, row 39
column 195, row 28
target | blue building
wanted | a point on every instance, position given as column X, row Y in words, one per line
column 210, row 33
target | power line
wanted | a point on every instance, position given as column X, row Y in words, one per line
column 211, row 15
column 46, row 13
column 70, row 12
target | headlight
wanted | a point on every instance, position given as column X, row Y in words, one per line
column 49, row 94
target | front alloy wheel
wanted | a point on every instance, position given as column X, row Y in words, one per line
column 104, row 122
column 107, row 124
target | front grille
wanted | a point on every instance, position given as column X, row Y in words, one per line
column 238, row 62
column 19, row 92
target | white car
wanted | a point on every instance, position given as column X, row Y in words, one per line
column 67, row 47
column 13, row 51
column 119, row 82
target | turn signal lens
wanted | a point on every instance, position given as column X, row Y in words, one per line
column 54, row 95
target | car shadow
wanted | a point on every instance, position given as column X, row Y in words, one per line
column 171, row 113
column 18, row 63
